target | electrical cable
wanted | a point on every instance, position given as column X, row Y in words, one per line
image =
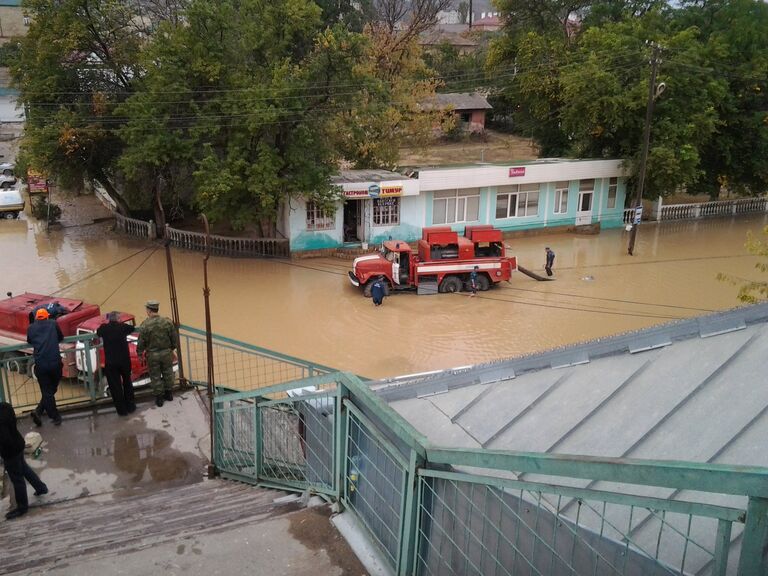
column 89, row 276
column 129, row 276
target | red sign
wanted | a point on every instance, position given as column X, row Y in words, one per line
column 385, row 191
column 518, row 171
column 37, row 183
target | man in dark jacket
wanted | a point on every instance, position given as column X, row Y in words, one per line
column 550, row 260
column 117, row 362
column 45, row 335
column 12, row 452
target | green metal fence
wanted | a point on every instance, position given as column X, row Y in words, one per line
column 238, row 366
column 434, row 510
column 81, row 385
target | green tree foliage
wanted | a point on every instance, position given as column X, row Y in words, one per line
column 78, row 56
column 242, row 95
column 236, row 106
column 584, row 92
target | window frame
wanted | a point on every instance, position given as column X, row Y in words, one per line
column 453, row 199
column 518, row 191
column 314, row 215
column 613, row 192
column 393, row 215
column 561, row 189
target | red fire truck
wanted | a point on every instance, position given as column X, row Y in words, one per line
column 443, row 263
column 80, row 318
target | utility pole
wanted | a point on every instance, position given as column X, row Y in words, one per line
column 209, row 345
column 653, row 93
column 469, row 19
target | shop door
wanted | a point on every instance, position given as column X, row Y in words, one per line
column 362, row 206
column 584, row 211
column 351, row 208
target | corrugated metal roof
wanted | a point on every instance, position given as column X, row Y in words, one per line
column 458, row 101
column 693, row 390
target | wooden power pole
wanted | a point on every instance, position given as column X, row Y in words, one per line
column 653, row 93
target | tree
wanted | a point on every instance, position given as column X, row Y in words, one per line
column 79, row 58
column 752, row 291
column 584, row 94
column 463, row 10
column 734, row 32
column 241, row 98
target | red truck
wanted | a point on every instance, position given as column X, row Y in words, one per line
column 80, row 318
column 443, row 263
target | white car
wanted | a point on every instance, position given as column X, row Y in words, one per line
column 11, row 203
column 7, row 175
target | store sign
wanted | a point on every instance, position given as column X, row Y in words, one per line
column 37, row 183
column 517, row 171
column 375, row 191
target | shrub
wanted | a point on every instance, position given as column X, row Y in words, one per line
column 40, row 210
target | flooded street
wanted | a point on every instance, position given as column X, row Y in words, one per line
column 308, row 309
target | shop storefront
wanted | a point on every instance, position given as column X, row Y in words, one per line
column 379, row 204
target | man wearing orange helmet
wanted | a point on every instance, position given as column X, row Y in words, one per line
column 44, row 335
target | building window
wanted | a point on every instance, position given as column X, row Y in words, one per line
column 517, row 201
column 613, row 185
column 449, row 206
column 466, row 117
column 386, row 211
column 317, row 219
column 561, row 197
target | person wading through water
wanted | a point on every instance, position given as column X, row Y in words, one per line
column 550, row 261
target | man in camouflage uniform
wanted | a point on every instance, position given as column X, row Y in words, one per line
column 157, row 337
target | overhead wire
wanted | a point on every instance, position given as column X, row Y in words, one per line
column 97, row 272
column 130, row 275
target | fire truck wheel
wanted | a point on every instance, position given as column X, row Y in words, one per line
column 367, row 288
column 483, row 283
column 450, row 284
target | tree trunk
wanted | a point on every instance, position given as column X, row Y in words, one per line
column 117, row 198
column 157, row 204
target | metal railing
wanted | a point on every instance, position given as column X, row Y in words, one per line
column 434, row 510
column 238, row 365
column 229, row 246
column 134, row 227
column 18, row 384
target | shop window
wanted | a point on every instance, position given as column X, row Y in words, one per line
column 386, row 211
column 517, row 201
column 319, row 219
column 613, row 185
column 449, row 206
column 561, row 197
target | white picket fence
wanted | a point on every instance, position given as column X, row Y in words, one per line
column 229, row 246
column 134, row 227
column 694, row 211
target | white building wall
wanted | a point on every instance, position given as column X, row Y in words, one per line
column 431, row 179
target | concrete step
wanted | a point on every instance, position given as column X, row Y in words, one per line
column 51, row 534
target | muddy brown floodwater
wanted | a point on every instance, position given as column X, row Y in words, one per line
column 308, row 308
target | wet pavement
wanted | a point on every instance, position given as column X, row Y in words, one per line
column 129, row 495
column 98, row 453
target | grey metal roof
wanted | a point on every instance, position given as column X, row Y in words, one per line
column 693, row 390
column 459, row 101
